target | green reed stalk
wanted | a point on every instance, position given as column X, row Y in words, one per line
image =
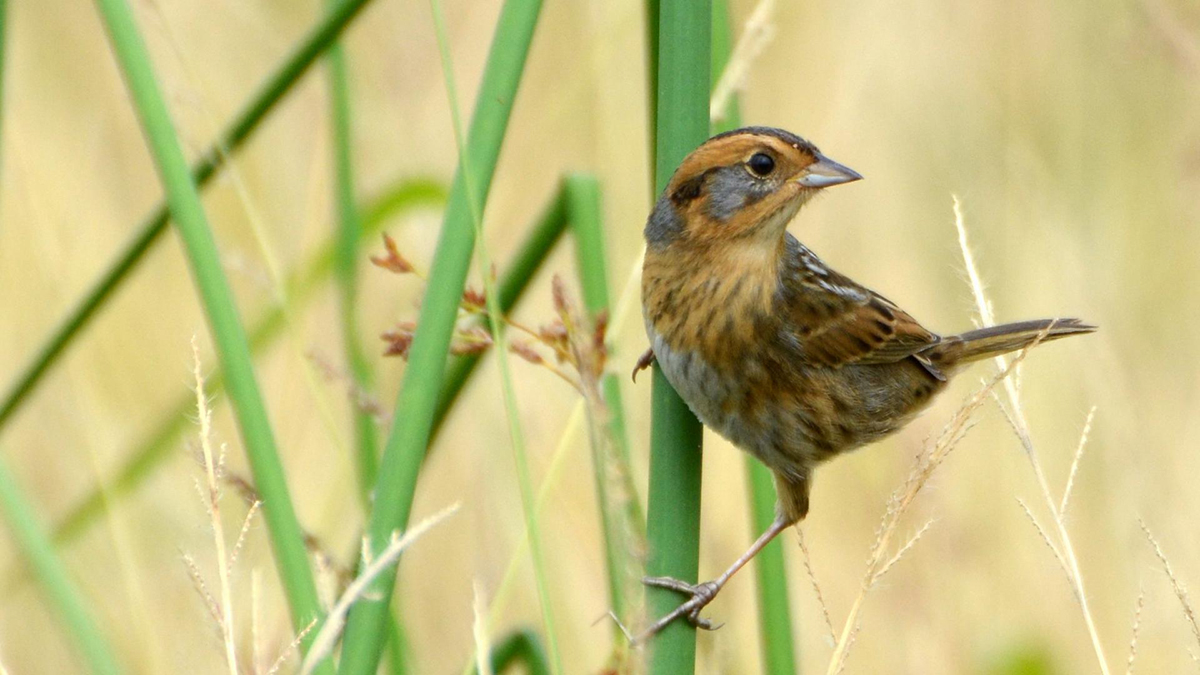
column 774, row 612
column 621, row 517
column 233, row 348
column 673, row 523
column 30, row 541
column 278, row 84
column 500, row 337
column 417, row 401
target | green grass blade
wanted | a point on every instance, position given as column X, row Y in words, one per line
column 31, row 542
column 346, row 265
column 233, row 348
column 276, row 86
column 621, row 517
column 417, row 401
column 673, row 523
column 500, row 337
column 774, row 613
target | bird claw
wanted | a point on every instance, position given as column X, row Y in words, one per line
column 643, row 363
column 701, row 594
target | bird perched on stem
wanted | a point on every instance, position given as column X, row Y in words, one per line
column 786, row 358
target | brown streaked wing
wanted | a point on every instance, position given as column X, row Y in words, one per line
column 836, row 321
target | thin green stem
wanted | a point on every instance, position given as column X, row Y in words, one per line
column 30, row 540
column 774, row 613
column 621, row 516
column 148, row 232
column 673, row 531
column 417, row 401
column 500, row 338
column 346, row 264
column 233, row 348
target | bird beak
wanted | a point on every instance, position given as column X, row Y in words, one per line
column 826, row 173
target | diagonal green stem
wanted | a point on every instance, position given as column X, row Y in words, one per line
column 31, row 541
column 673, row 531
column 774, row 613
column 277, row 85
column 233, row 348
column 417, row 401
column 499, row 335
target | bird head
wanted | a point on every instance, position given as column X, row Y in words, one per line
column 742, row 186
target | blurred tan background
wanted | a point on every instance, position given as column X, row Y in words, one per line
column 1069, row 131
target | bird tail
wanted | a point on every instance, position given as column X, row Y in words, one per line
column 984, row 343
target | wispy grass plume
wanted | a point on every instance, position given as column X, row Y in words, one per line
column 1185, row 603
column 1063, row 548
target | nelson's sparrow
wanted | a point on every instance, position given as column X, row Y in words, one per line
column 786, row 358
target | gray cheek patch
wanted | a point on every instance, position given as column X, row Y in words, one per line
column 664, row 225
column 731, row 189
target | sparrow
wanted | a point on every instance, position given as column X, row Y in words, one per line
column 785, row 357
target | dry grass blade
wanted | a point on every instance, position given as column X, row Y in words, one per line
column 1045, row 537
column 326, row 638
column 1016, row 418
column 483, row 646
column 912, row 541
column 212, row 472
column 1137, row 624
column 1083, row 439
column 256, row 651
column 241, row 540
column 210, row 603
column 1176, row 585
column 290, row 648
column 927, row 461
column 755, row 36
column 812, row 577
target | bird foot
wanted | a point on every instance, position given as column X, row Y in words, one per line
column 702, row 594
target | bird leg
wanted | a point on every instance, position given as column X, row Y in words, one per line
column 643, row 362
column 702, row 594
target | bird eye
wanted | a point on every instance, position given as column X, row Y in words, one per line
column 761, row 164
